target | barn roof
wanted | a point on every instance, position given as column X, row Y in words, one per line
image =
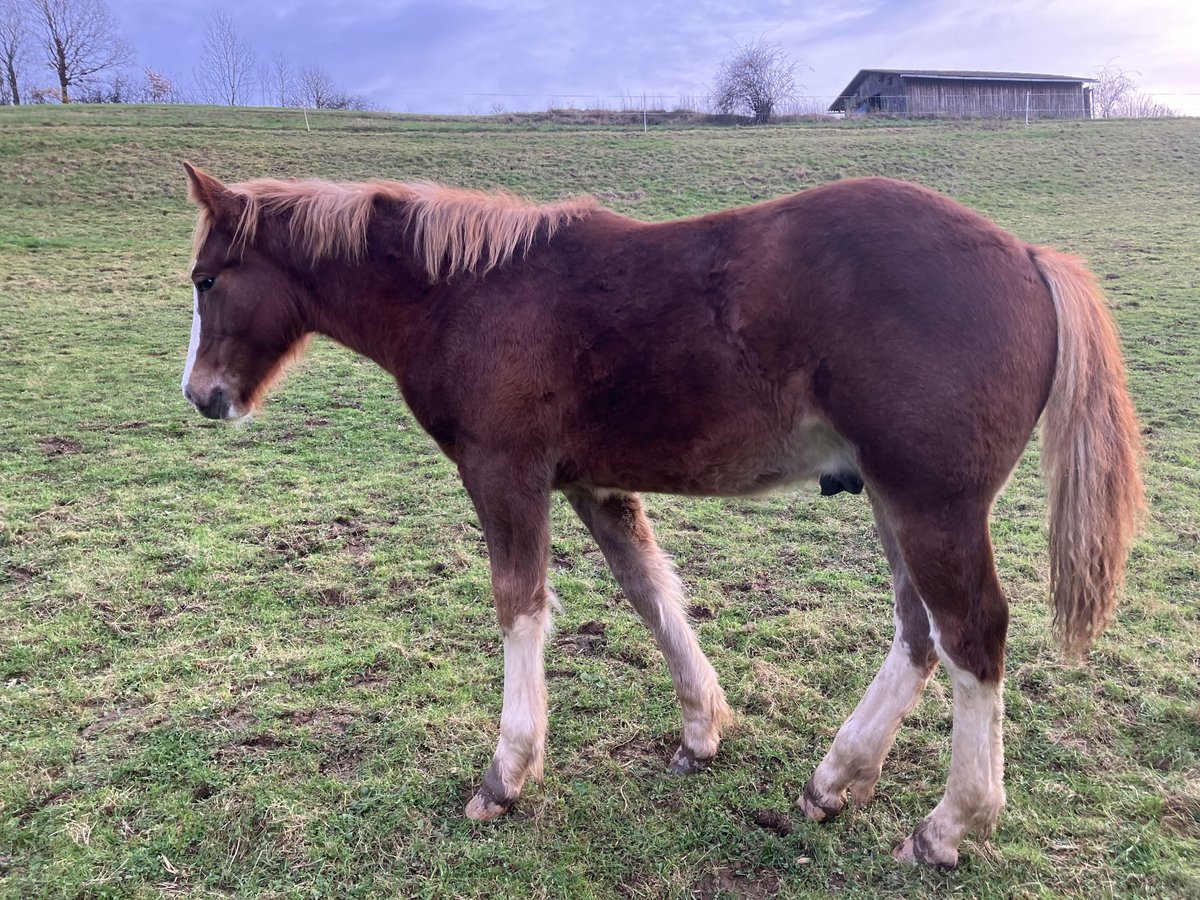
column 848, row 90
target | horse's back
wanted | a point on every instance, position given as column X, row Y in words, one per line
column 868, row 322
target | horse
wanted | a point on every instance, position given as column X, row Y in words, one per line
column 868, row 333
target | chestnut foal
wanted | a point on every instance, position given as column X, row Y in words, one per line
column 868, row 332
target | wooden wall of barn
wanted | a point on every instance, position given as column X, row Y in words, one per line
column 994, row 99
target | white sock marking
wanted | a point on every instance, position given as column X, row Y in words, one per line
column 975, row 787
column 705, row 711
column 864, row 740
column 523, row 719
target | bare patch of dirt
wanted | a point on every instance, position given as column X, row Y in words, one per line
column 588, row 640
column 20, row 576
column 1181, row 815
column 701, row 613
column 728, row 883
column 58, row 795
column 60, row 446
column 333, row 597
column 249, row 745
column 237, row 719
column 321, row 721
column 342, row 764
column 772, row 820
column 376, row 672
column 109, row 719
column 631, row 658
column 342, row 526
column 643, row 749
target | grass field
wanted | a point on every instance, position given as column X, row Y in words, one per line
column 262, row 661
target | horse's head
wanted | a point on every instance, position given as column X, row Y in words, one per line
column 246, row 319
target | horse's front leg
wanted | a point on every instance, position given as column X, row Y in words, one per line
column 514, row 510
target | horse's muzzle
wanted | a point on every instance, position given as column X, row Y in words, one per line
column 217, row 406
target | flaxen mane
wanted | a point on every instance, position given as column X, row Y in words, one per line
column 453, row 230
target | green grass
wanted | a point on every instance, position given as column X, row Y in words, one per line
column 262, row 661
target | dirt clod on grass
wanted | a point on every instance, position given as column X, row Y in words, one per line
column 60, row 446
column 728, row 883
column 772, row 820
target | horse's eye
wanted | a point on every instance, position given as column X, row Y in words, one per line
column 204, row 284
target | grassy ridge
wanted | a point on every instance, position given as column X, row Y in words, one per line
column 263, row 661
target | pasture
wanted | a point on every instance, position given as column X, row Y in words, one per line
column 262, row 660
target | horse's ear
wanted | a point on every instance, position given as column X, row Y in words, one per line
column 208, row 192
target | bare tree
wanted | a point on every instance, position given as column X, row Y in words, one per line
column 754, row 80
column 81, row 39
column 1115, row 96
column 225, row 72
column 1113, row 85
column 316, row 89
column 14, row 46
column 282, row 81
column 1142, row 106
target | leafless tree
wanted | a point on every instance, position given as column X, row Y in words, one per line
column 14, row 48
column 225, row 72
column 114, row 87
column 316, row 89
column 1113, row 85
column 1115, row 96
column 1142, row 106
column 282, row 81
column 754, row 80
column 80, row 38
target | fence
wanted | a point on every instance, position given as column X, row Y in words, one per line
column 661, row 107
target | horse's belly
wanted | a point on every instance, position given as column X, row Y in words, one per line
column 728, row 464
column 812, row 451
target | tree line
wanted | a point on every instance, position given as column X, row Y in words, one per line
column 72, row 51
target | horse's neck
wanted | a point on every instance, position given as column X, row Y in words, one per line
column 370, row 306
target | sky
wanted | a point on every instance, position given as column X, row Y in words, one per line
column 479, row 56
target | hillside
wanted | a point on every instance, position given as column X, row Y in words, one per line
column 262, row 660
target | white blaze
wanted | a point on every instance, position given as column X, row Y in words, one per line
column 194, row 345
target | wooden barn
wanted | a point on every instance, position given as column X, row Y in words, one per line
column 910, row 92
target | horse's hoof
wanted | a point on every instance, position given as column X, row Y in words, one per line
column 685, row 762
column 483, row 808
column 817, row 808
column 914, row 849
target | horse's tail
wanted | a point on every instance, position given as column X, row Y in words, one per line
column 1091, row 449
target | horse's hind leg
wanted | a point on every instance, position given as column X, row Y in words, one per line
column 621, row 529
column 949, row 556
column 855, row 760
